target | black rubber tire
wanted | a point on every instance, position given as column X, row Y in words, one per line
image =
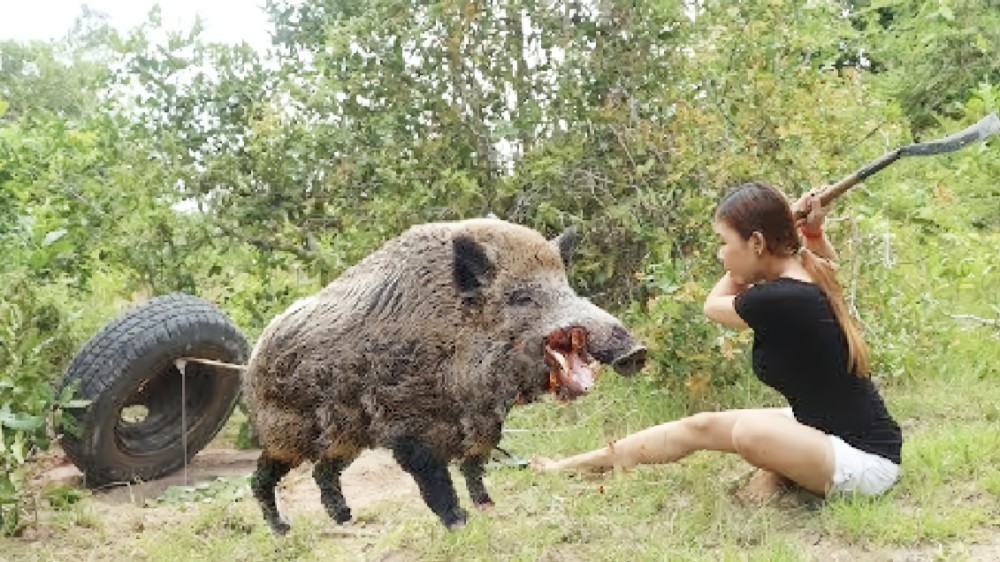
column 128, row 367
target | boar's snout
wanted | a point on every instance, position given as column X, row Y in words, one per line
column 632, row 362
column 620, row 350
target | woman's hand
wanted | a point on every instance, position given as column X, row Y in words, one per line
column 811, row 226
column 816, row 212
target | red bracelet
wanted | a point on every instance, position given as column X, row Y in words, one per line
column 811, row 235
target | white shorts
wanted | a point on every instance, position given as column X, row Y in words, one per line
column 857, row 471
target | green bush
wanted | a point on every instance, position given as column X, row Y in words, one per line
column 35, row 341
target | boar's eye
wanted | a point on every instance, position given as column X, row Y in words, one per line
column 520, row 297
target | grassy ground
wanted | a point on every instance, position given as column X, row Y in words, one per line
column 946, row 506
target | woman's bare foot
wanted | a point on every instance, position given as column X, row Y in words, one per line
column 572, row 464
column 762, row 487
column 544, row 464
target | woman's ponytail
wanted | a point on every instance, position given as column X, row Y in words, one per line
column 825, row 275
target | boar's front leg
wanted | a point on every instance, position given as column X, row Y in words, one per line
column 472, row 470
column 269, row 472
column 433, row 479
column 327, row 476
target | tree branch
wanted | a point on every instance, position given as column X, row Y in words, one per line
column 269, row 245
column 979, row 319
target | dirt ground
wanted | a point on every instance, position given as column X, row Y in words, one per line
column 123, row 511
column 372, row 477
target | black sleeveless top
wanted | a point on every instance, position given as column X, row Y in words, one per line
column 800, row 350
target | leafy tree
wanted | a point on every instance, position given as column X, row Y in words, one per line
column 935, row 54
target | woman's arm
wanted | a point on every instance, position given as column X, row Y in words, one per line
column 720, row 305
column 811, row 227
column 820, row 246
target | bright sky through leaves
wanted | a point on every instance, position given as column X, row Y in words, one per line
column 228, row 21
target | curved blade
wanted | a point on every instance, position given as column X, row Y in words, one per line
column 985, row 127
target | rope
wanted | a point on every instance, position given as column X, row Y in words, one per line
column 182, row 367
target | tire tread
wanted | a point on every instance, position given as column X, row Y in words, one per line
column 107, row 356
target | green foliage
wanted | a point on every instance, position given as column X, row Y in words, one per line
column 34, row 343
column 931, row 56
column 688, row 353
column 223, row 490
column 63, row 497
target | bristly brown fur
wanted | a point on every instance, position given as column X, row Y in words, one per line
column 422, row 348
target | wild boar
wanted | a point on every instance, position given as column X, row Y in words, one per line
column 422, row 348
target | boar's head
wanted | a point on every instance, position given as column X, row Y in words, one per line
column 513, row 286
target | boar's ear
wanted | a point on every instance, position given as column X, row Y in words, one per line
column 566, row 244
column 471, row 266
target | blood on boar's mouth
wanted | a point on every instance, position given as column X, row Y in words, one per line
column 572, row 371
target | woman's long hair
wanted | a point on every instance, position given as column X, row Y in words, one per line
column 758, row 207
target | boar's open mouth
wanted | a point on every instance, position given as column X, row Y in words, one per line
column 572, row 371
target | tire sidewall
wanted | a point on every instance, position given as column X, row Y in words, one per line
column 97, row 450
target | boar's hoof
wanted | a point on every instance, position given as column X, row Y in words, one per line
column 632, row 362
column 454, row 518
column 485, row 506
column 342, row 516
column 278, row 525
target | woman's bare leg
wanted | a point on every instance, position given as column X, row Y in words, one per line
column 660, row 444
column 767, row 438
column 784, row 446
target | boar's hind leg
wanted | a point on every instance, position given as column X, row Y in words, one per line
column 264, row 480
column 472, row 470
column 327, row 475
column 431, row 475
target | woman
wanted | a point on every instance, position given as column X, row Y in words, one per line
column 837, row 436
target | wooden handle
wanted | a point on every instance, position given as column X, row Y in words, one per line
column 834, row 191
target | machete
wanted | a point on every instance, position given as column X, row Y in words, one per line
column 983, row 128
